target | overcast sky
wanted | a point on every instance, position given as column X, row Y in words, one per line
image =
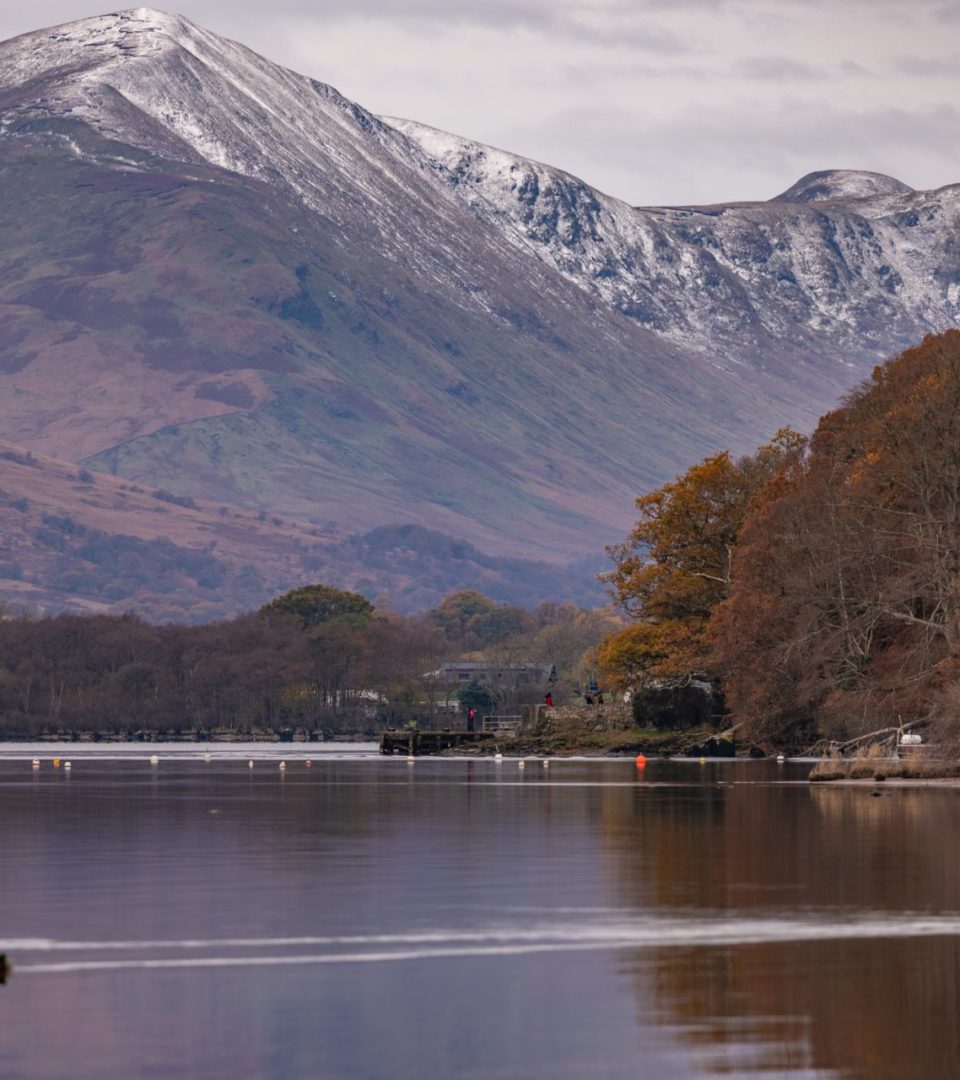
column 655, row 101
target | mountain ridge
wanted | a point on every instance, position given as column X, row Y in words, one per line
column 226, row 279
column 592, row 237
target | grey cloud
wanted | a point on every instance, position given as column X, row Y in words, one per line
column 927, row 66
column 786, row 7
column 819, row 135
column 664, row 27
column 716, row 155
column 613, row 24
column 777, row 68
column 852, row 68
column 642, row 36
column 752, row 69
column 499, row 13
column 583, row 75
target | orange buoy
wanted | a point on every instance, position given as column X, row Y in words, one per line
column 641, row 761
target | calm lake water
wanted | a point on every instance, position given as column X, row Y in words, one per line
column 361, row 917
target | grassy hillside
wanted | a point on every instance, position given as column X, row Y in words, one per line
column 80, row 541
column 180, row 325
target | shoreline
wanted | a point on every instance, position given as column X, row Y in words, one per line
column 891, row 782
column 147, row 738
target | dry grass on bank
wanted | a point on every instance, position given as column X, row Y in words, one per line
column 875, row 763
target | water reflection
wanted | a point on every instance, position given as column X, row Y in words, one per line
column 366, row 918
column 872, row 1008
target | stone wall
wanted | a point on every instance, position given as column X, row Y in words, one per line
column 561, row 719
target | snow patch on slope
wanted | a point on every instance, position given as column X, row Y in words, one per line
column 856, row 256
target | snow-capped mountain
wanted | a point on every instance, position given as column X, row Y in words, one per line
column 226, row 278
column 858, row 257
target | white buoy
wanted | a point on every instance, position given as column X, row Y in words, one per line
column 308, row 763
column 36, row 763
column 249, row 764
column 411, row 759
column 154, row 760
column 546, row 764
column 521, row 764
column 67, row 765
column 283, row 764
column 498, row 757
column 780, row 759
column 206, row 757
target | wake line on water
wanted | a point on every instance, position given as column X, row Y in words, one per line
column 492, row 942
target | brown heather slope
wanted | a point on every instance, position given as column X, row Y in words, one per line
column 50, row 509
column 75, row 540
column 180, row 325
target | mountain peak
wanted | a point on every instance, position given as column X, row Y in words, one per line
column 131, row 18
column 93, row 44
column 144, row 15
column 112, row 25
column 836, row 184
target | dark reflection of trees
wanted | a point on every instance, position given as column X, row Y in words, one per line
column 880, row 1008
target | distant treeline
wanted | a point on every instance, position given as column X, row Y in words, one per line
column 316, row 659
column 816, row 583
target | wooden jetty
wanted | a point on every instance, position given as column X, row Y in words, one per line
column 414, row 743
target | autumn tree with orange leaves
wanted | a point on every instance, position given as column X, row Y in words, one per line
column 676, row 566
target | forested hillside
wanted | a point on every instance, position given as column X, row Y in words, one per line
column 825, row 599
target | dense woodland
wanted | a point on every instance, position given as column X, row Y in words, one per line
column 816, row 585
column 316, row 660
